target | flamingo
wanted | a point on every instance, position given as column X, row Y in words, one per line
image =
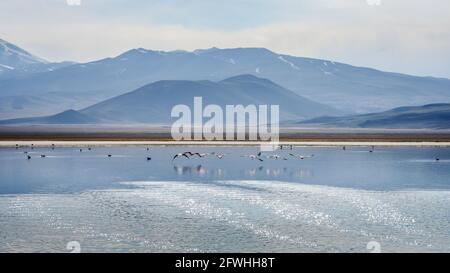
column 277, row 157
column 253, row 157
column 301, row 156
column 201, row 155
column 185, row 154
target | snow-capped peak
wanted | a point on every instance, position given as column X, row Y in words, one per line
column 13, row 56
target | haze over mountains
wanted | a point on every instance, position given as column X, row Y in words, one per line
column 100, row 91
column 13, row 57
column 16, row 62
column 68, row 117
column 345, row 87
column 153, row 103
column 433, row 116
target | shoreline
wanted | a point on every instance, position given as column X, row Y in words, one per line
column 160, row 136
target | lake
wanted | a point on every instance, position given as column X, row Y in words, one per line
column 335, row 201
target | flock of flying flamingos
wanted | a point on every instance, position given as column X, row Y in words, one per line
column 258, row 156
column 188, row 155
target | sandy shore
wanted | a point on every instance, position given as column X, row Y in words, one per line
column 160, row 135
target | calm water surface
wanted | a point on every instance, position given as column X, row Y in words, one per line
column 336, row 201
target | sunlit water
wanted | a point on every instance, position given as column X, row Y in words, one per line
column 336, row 201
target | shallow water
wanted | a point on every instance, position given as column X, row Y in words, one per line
column 336, row 201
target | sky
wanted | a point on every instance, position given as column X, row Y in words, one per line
column 407, row 36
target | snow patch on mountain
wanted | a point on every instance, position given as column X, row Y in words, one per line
column 7, row 67
column 288, row 62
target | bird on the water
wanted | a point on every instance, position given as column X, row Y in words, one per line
column 277, row 157
column 301, row 157
column 253, row 157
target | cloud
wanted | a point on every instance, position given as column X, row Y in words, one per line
column 404, row 36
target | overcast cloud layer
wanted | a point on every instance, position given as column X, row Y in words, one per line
column 409, row 36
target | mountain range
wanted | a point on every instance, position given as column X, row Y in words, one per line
column 153, row 103
column 340, row 86
column 15, row 62
column 432, row 116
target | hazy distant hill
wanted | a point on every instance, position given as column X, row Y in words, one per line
column 153, row 103
column 66, row 117
column 15, row 62
column 339, row 85
column 433, row 116
column 12, row 57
